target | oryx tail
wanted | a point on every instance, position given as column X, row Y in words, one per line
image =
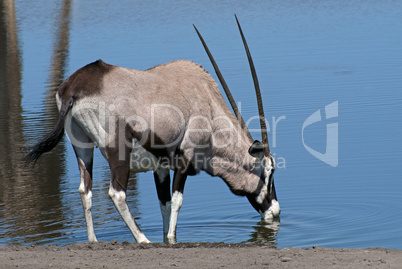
column 53, row 138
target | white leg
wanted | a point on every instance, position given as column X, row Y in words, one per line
column 84, row 157
column 84, row 153
column 177, row 201
column 87, row 204
column 119, row 200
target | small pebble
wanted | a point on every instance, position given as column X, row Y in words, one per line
column 285, row 259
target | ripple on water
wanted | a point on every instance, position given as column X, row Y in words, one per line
column 366, row 220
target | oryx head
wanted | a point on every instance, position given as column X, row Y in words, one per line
column 264, row 199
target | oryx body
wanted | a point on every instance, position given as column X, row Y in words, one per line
column 170, row 117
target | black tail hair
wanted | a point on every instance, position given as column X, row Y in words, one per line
column 53, row 138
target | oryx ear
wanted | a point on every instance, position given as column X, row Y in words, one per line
column 257, row 150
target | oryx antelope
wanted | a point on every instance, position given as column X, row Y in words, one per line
column 169, row 117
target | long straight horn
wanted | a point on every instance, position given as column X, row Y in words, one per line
column 225, row 87
column 264, row 135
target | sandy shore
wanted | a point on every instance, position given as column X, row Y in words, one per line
column 194, row 255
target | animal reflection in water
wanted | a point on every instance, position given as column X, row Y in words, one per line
column 169, row 117
column 264, row 233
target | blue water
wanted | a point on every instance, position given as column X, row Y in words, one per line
column 308, row 55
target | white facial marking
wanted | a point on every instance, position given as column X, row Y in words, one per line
column 261, row 197
column 268, row 170
column 272, row 212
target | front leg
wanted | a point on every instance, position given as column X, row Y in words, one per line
column 162, row 183
column 179, row 180
column 120, row 171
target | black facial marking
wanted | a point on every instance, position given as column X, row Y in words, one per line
column 257, row 150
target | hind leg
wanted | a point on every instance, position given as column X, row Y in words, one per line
column 84, row 158
column 162, row 183
column 84, row 152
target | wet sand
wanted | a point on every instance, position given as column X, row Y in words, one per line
column 193, row 255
